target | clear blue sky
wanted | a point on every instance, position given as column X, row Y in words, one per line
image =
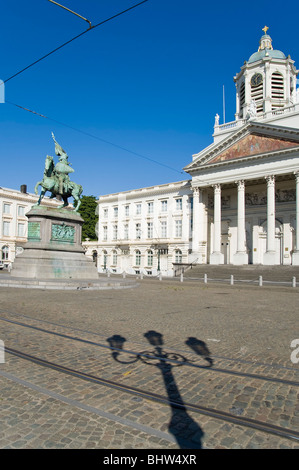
column 150, row 81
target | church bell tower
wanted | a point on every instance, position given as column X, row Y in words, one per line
column 266, row 83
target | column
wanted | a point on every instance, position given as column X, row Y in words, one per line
column 195, row 227
column 295, row 256
column 199, row 235
column 241, row 257
column 269, row 256
column 217, row 257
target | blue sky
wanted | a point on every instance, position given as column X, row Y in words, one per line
column 149, row 82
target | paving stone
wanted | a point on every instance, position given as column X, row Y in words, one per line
column 32, row 418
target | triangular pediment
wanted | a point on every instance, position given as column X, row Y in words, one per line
column 250, row 141
column 253, row 145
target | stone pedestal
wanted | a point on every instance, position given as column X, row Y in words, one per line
column 54, row 249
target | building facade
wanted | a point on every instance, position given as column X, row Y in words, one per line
column 145, row 231
column 241, row 205
column 14, row 205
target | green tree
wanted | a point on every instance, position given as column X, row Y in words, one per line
column 88, row 211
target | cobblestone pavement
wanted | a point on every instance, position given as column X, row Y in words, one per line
column 229, row 331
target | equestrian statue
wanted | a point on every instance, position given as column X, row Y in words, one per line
column 56, row 179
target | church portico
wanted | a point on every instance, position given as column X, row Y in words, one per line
column 247, row 221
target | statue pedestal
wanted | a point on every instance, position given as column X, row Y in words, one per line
column 54, row 249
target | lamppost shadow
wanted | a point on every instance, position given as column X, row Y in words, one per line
column 187, row 432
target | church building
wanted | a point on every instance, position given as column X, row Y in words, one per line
column 241, row 203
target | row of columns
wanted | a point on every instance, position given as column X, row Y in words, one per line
column 241, row 256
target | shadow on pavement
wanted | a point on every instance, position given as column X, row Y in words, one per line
column 186, row 431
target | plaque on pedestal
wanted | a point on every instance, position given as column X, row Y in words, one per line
column 54, row 249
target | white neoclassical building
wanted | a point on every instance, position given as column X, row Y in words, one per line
column 146, row 230
column 241, row 205
column 14, row 205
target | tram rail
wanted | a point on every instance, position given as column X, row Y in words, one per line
column 211, row 412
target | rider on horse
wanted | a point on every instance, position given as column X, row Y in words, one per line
column 62, row 168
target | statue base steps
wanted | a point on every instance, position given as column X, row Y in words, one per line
column 42, row 264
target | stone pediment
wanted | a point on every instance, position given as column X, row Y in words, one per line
column 250, row 141
column 253, row 145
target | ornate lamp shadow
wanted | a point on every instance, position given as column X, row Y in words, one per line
column 200, row 348
column 186, row 431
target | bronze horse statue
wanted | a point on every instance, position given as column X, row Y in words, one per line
column 58, row 184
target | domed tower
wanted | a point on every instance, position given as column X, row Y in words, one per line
column 266, row 83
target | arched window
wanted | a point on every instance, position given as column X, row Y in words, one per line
column 257, row 94
column 5, row 252
column 137, row 258
column 150, row 258
column 178, row 256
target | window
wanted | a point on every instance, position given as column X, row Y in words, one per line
column 138, row 209
column 277, row 89
column 179, row 204
column 127, row 211
column 114, row 257
column 21, row 230
column 4, row 252
column 115, row 228
column 150, row 258
column 6, row 228
column 115, row 212
column 105, row 213
column 126, row 231
column 178, row 256
column 150, row 230
column 138, row 231
column 164, row 206
column 257, row 94
column 105, row 259
column 242, row 96
column 178, row 228
column 6, row 208
column 163, row 229
column 21, row 211
column 137, row 258
column 105, row 232
column 150, row 207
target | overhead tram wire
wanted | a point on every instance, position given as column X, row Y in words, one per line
column 73, row 39
column 96, row 137
column 67, row 125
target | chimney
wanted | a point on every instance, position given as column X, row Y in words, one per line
column 23, row 188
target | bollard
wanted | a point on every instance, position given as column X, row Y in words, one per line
column 182, row 277
column 294, row 281
column 141, row 276
column 231, row 279
column 124, row 274
column 260, row 280
column 160, row 276
column 205, row 279
column 108, row 274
